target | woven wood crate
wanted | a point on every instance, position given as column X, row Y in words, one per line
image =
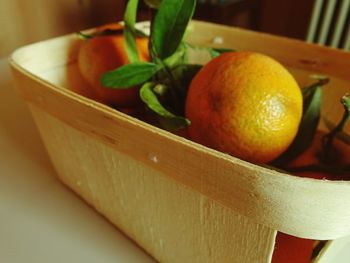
column 181, row 201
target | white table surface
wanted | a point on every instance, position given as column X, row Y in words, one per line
column 41, row 221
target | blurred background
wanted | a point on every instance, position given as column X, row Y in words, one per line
column 26, row 21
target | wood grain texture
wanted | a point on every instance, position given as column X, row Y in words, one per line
column 286, row 203
column 103, row 154
column 170, row 221
column 290, row 52
column 283, row 202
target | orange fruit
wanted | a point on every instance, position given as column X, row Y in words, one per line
column 340, row 156
column 293, row 249
column 245, row 104
column 104, row 53
column 290, row 249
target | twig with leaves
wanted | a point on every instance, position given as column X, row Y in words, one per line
column 168, row 68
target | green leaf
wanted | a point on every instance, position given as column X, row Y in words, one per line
column 328, row 139
column 129, row 75
column 129, row 30
column 106, row 32
column 185, row 73
column 170, row 24
column 345, row 100
column 84, row 36
column 172, row 124
column 130, row 13
column 153, row 3
column 309, row 123
column 149, row 97
column 215, row 52
column 179, row 57
column 130, row 46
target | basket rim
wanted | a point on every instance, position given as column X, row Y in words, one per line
column 303, row 207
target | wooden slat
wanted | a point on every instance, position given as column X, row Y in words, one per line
column 279, row 201
column 290, row 52
column 170, row 221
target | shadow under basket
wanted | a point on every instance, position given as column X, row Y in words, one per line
column 181, row 201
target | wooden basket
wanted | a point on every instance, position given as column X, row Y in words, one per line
column 181, row 201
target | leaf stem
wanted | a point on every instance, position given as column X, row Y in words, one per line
column 213, row 52
column 174, row 87
column 328, row 139
column 156, row 59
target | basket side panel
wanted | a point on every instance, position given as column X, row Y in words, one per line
column 170, row 221
column 266, row 196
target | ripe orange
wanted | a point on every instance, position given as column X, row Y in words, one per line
column 340, row 156
column 245, row 104
column 104, row 53
column 290, row 249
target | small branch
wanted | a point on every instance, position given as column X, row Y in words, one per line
column 328, row 139
column 174, row 87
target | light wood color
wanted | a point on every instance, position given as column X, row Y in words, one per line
column 172, row 222
column 128, row 169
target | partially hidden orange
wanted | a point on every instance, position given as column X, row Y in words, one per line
column 314, row 156
column 245, row 104
column 291, row 249
column 104, row 53
column 298, row 250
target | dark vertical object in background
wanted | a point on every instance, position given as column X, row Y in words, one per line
column 279, row 17
column 106, row 11
column 242, row 13
column 287, row 18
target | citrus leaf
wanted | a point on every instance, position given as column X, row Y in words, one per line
column 170, row 24
column 130, row 13
column 310, row 120
column 172, row 124
column 215, row 52
column 328, row 139
column 178, row 57
column 148, row 96
column 130, row 46
column 129, row 30
column 185, row 73
column 153, row 3
column 84, row 36
column 129, row 75
column 346, row 102
column 106, row 32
